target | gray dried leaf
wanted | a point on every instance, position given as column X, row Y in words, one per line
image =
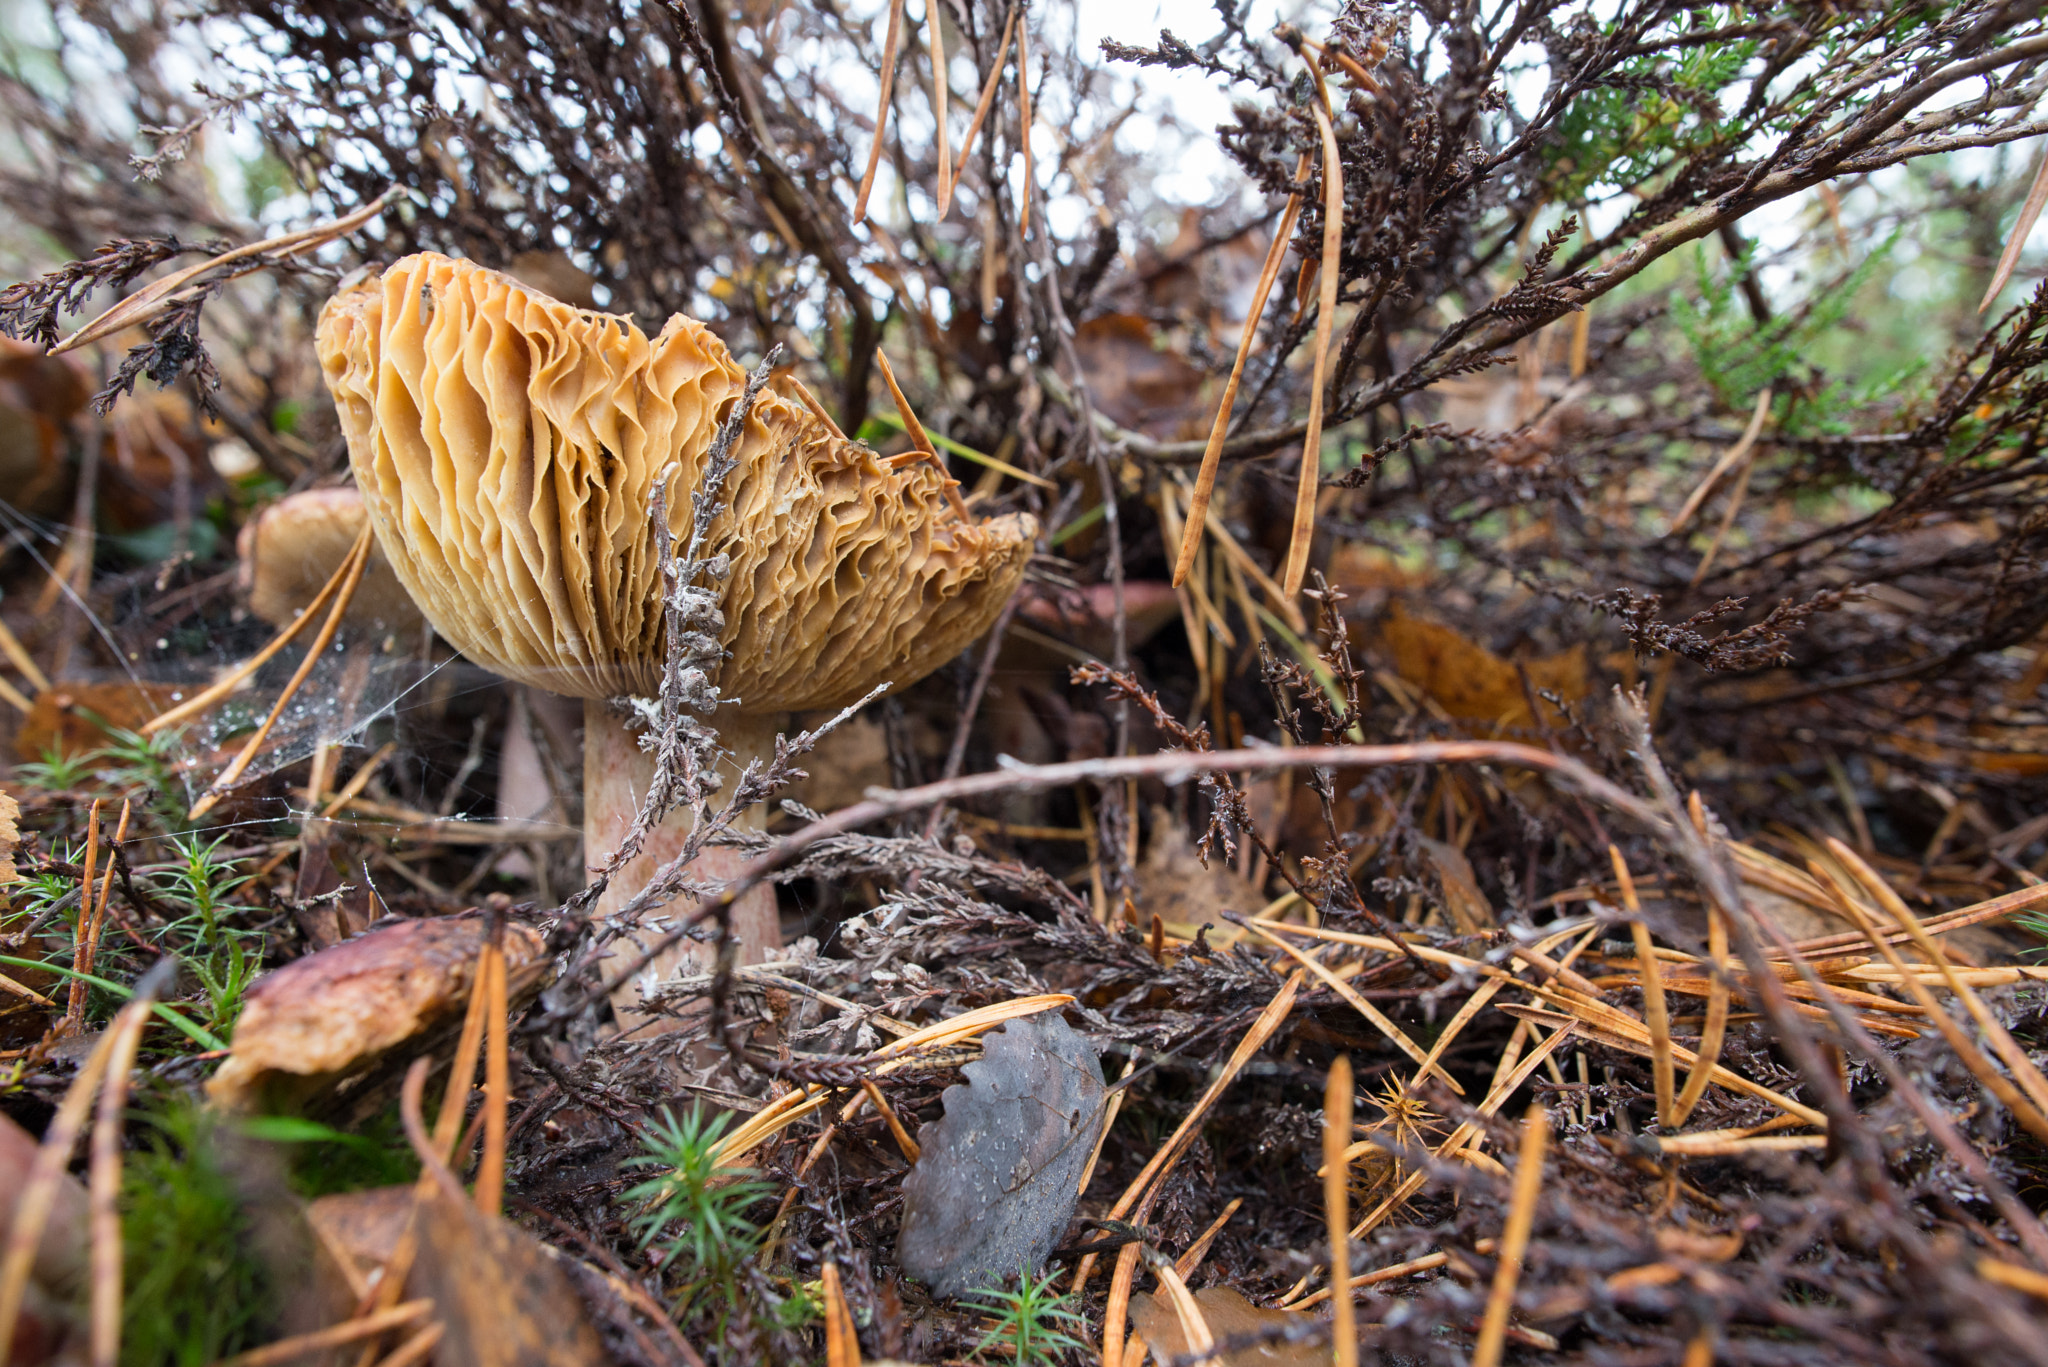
column 1000, row 1172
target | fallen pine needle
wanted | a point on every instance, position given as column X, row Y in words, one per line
column 1514, row 1241
column 1654, row 1013
column 2022, row 227
column 1336, row 1213
column 104, row 1176
column 1212, row 455
column 2013, row 1275
column 334, row 1336
column 842, row 1344
column 1303, row 531
column 867, row 180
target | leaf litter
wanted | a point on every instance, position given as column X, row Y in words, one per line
column 1781, row 1047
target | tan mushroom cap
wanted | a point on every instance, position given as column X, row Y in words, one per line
column 506, row 444
column 290, row 549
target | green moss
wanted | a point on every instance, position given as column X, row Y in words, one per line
column 195, row 1287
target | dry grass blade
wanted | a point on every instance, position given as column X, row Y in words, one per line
column 919, row 438
column 104, row 1190
column 1655, row 1014
column 334, row 1336
column 867, row 179
column 810, row 401
column 1191, row 1259
column 233, row 679
column 2030, row 212
column 1514, row 1241
column 1194, row 1328
column 1373, row 1014
column 2007, row 1048
column 39, row 1193
column 358, row 560
column 11, row 646
column 1720, row 1146
column 146, row 303
column 415, row 1349
column 2012, row 1275
column 981, row 108
column 882, row 1107
column 1993, row 909
column 490, row 1172
column 791, row 1107
column 1303, row 531
column 1024, row 125
column 74, row 1013
column 97, row 906
column 1336, row 1211
column 1425, row 1263
column 1717, row 1020
column 1147, row 1183
column 936, row 38
column 1253, row 1040
column 1729, row 459
column 1212, row 455
column 1109, row 1112
column 1728, row 516
column 842, row 1344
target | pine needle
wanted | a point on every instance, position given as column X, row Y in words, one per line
column 1212, row 456
column 2030, row 212
column 1304, row 528
column 1336, row 1213
column 867, row 180
column 1514, row 1241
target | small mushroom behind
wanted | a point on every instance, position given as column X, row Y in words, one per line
column 292, row 548
column 506, row 445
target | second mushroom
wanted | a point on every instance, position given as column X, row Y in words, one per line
column 506, row 445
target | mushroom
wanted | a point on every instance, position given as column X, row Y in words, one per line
column 290, row 549
column 506, row 445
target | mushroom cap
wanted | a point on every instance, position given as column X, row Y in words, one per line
column 506, row 445
column 290, row 549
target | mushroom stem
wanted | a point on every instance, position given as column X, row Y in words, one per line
column 616, row 773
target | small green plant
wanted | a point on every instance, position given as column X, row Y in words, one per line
column 695, row 1210
column 197, row 1289
column 200, row 878
column 1031, row 1323
column 58, row 772
column 324, row 1160
column 133, row 760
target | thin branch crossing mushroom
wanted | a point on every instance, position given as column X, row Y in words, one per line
column 507, row 446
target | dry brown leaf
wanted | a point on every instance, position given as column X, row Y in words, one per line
column 333, row 1014
column 1467, row 904
column 10, row 836
column 75, row 716
column 1144, row 386
column 1227, row 1313
column 1471, row 682
column 503, row 1296
column 500, row 1293
column 55, row 1309
column 1000, row 1172
column 1174, row 885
